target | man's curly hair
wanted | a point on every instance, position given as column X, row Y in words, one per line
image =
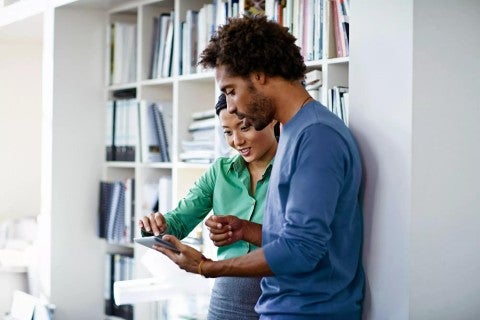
column 254, row 44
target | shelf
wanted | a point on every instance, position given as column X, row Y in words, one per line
column 120, row 164
column 21, row 10
column 154, row 82
column 158, row 165
column 208, row 76
column 187, row 165
column 122, row 86
column 338, row 60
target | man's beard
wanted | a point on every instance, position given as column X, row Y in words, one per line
column 261, row 111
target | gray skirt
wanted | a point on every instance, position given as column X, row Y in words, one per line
column 234, row 298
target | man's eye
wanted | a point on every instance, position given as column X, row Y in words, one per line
column 228, row 93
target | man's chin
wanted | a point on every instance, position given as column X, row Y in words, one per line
column 259, row 126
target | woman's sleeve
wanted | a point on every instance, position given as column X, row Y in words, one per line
column 193, row 208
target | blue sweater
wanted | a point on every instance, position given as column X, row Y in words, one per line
column 312, row 229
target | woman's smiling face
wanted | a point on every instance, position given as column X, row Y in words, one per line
column 253, row 145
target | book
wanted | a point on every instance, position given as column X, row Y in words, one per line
column 202, row 124
column 167, row 58
column 118, row 267
column 149, row 147
column 125, row 130
column 189, row 47
column 163, row 24
column 339, row 42
column 164, row 194
column 162, row 121
column 209, row 113
column 110, row 131
column 318, row 30
column 115, row 214
column 104, row 208
column 313, row 78
column 154, row 48
column 123, row 51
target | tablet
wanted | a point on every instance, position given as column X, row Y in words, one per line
column 150, row 241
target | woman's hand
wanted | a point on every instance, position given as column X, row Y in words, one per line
column 154, row 223
column 228, row 229
column 225, row 230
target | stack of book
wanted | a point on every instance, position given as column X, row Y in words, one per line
column 199, row 25
column 201, row 149
column 304, row 19
column 116, row 211
column 313, row 84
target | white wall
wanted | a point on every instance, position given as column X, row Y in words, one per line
column 20, row 119
column 445, row 227
column 381, row 112
column 415, row 110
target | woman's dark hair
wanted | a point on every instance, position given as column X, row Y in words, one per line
column 221, row 104
column 254, row 44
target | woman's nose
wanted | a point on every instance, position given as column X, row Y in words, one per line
column 238, row 139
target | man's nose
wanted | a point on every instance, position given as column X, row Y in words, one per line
column 231, row 108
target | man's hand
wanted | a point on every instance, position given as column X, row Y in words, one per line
column 188, row 259
column 154, row 223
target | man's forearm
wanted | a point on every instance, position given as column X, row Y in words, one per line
column 253, row 264
column 253, row 233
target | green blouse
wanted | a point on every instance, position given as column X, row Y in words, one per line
column 225, row 189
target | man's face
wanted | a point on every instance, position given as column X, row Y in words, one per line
column 244, row 100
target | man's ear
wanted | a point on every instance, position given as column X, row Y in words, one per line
column 259, row 78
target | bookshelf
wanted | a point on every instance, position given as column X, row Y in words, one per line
column 188, row 93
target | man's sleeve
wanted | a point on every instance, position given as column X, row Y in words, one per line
column 318, row 176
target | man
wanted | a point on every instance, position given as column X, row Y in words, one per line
column 312, row 231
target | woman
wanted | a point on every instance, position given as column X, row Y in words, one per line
column 236, row 187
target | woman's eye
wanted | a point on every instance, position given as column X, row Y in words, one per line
column 227, row 133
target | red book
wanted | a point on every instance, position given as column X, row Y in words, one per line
column 336, row 29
